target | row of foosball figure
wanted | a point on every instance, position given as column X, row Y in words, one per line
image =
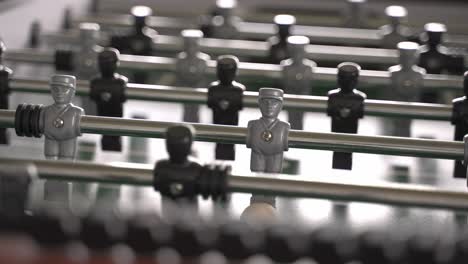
column 60, row 121
column 67, row 238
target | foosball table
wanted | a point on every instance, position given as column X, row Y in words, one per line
column 234, row 132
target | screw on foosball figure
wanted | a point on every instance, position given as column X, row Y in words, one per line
column 279, row 43
column 225, row 99
column 297, row 75
column 191, row 69
column 108, row 91
column 223, row 24
column 179, row 141
column 5, row 75
column 60, row 122
column 394, row 32
column 460, row 121
column 140, row 41
column 407, row 82
column 345, row 107
column 355, row 14
column 268, row 136
column 436, row 58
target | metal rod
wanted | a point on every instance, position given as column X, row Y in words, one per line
column 247, row 69
column 257, row 48
column 199, row 96
column 283, row 185
column 249, row 30
column 297, row 139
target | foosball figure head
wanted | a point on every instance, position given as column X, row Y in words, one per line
column 108, row 61
column 409, row 53
column 63, row 88
column 179, row 141
column 226, row 68
column 348, row 74
column 225, row 8
column 192, row 40
column 296, row 47
column 396, row 14
column 434, row 33
column 89, row 34
column 284, row 23
column 140, row 14
column 270, row 101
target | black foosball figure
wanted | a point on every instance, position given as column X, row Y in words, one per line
column 345, row 107
column 279, row 43
column 460, row 121
column 179, row 141
column 108, row 91
column 5, row 75
column 140, row 41
column 436, row 58
column 395, row 32
column 181, row 179
column 222, row 23
column 225, row 99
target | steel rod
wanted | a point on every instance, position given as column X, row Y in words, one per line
column 317, row 34
column 247, row 69
column 199, row 96
column 257, row 49
column 283, row 185
column 297, row 139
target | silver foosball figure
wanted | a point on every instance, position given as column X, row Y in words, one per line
column 60, row 121
column 355, row 14
column 407, row 81
column 82, row 60
column 268, row 136
column 297, row 75
column 268, row 139
column 191, row 69
column 87, row 60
